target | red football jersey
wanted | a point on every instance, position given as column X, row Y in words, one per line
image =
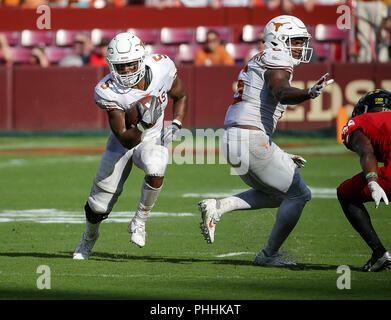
column 377, row 127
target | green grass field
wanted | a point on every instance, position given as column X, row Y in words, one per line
column 41, row 222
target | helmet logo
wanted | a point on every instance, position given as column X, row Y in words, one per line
column 379, row 101
column 278, row 25
column 141, row 44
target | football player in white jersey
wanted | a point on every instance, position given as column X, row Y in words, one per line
column 134, row 74
column 264, row 91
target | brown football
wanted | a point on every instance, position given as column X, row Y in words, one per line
column 132, row 116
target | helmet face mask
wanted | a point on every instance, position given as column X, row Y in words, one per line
column 282, row 34
column 126, row 52
column 374, row 101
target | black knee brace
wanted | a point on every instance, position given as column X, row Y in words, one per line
column 93, row 217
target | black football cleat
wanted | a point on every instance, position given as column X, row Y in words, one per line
column 378, row 264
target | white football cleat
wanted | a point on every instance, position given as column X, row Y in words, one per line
column 84, row 248
column 276, row 260
column 209, row 219
column 137, row 230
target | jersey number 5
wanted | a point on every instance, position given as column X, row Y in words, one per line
column 159, row 57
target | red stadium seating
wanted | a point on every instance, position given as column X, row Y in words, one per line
column 176, row 35
column 170, row 51
column 339, row 39
column 250, row 33
column 322, row 51
column 20, row 55
column 187, row 52
column 64, row 38
column 55, row 54
column 97, row 35
column 30, row 38
column 225, row 33
column 148, row 36
column 13, row 37
column 238, row 51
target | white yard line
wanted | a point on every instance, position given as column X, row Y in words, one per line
column 317, row 193
column 61, row 216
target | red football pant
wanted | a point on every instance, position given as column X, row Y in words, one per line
column 356, row 188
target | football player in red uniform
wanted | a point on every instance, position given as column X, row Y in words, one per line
column 368, row 134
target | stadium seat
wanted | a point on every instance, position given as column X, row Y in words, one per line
column 56, row 54
column 225, row 33
column 30, row 38
column 187, row 52
column 339, row 38
column 97, row 35
column 13, row 37
column 176, row 35
column 148, row 36
column 20, row 55
column 170, row 51
column 64, row 38
column 250, row 33
column 238, row 51
column 322, row 51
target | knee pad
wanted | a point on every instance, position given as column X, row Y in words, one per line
column 93, row 217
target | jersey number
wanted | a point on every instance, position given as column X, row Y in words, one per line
column 159, row 57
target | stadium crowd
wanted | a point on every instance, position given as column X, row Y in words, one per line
column 371, row 40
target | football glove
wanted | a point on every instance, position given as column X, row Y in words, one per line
column 149, row 116
column 319, row 86
column 298, row 160
column 377, row 193
column 171, row 132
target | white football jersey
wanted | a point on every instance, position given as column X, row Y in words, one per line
column 253, row 103
column 111, row 95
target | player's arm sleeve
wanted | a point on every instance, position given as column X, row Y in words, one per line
column 347, row 131
column 106, row 102
column 171, row 73
column 276, row 60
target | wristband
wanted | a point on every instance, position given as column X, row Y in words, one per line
column 371, row 175
column 177, row 122
column 140, row 127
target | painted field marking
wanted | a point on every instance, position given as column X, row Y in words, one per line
column 62, row 216
column 317, row 193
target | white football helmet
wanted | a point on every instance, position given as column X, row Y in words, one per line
column 126, row 47
column 280, row 31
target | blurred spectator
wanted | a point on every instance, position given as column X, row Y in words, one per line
column 82, row 49
column 5, row 51
column 59, row 3
column 240, row 3
column 38, row 57
column 79, row 3
column 213, row 53
column 98, row 57
column 162, row 3
column 10, row 3
column 258, row 48
column 369, row 17
column 384, row 35
column 288, row 5
column 33, row 4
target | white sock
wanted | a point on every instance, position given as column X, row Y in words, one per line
column 148, row 198
column 247, row 200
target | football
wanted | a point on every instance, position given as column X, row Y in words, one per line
column 132, row 115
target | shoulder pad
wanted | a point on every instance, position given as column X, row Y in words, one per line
column 272, row 59
column 106, row 98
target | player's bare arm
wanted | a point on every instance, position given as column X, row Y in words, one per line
column 178, row 93
column 278, row 84
column 129, row 138
column 361, row 144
